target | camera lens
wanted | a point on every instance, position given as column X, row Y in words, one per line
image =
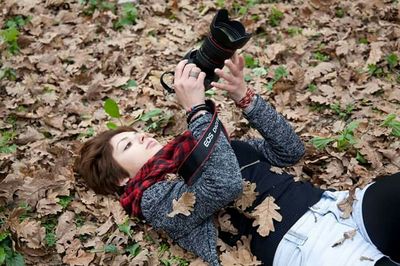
column 225, row 38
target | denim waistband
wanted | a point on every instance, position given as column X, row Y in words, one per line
column 311, row 240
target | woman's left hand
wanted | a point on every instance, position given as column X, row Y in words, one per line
column 189, row 84
column 234, row 84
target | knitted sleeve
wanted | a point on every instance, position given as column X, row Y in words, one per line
column 280, row 144
column 219, row 184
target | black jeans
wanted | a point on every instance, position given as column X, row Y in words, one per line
column 381, row 215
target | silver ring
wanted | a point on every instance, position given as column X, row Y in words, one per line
column 194, row 74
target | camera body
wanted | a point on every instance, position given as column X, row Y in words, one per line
column 226, row 36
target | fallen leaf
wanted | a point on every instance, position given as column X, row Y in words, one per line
column 184, row 205
column 273, row 50
column 105, row 227
column 265, row 214
column 346, row 235
column 225, row 223
column 240, row 255
column 376, row 53
column 276, row 170
column 346, row 205
column 31, row 232
column 247, row 197
column 315, row 72
column 362, row 258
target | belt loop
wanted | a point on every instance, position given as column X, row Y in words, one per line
column 295, row 237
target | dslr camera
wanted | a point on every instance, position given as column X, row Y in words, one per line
column 225, row 37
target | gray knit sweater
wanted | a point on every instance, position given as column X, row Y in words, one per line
column 220, row 181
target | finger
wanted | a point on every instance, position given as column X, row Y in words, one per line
column 241, row 62
column 187, row 69
column 179, row 69
column 223, row 75
column 201, row 77
column 235, row 58
column 195, row 70
column 232, row 68
column 222, row 86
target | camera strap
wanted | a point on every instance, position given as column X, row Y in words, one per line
column 166, row 87
column 194, row 161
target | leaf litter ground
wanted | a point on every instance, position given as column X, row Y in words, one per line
column 322, row 63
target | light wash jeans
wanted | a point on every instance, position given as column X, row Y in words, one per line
column 309, row 241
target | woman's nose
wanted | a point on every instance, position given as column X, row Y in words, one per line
column 141, row 137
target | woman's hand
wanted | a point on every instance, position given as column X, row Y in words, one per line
column 189, row 84
column 234, row 80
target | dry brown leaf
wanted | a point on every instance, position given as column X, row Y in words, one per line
column 346, row 235
column 346, row 205
column 240, row 255
column 343, row 48
column 273, row 50
column 65, row 231
column 372, row 87
column 143, row 258
column 31, row 232
column 320, row 99
column 82, row 258
column 247, row 197
column 76, row 256
column 362, row 258
column 225, row 223
column 265, row 214
column 48, row 206
column 276, row 170
column 316, row 72
column 105, row 227
column 9, row 185
column 184, row 205
column 376, row 53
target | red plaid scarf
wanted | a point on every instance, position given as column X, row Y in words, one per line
column 167, row 160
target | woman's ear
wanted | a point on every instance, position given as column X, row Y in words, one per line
column 122, row 182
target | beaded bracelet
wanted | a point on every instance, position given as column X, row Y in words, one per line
column 246, row 100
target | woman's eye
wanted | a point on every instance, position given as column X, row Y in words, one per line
column 127, row 145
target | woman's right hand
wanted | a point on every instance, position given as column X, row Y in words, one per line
column 234, row 82
column 188, row 88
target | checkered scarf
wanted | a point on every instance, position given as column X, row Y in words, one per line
column 167, row 160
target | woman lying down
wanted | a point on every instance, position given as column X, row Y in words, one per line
column 308, row 223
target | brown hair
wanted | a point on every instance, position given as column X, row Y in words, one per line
column 96, row 164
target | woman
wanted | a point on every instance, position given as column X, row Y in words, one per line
column 311, row 222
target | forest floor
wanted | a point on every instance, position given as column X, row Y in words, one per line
column 330, row 67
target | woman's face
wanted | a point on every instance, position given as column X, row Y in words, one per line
column 132, row 150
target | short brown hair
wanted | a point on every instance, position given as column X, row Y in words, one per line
column 96, row 164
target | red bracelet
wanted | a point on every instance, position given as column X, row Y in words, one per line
column 246, row 100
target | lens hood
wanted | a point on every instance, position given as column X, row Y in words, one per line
column 226, row 36
column 229, row 33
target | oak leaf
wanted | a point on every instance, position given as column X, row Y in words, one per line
column 346, row 235
column 376, row 52
column 65, row 231
column 265, row 214
column 32, row 233
column 225, row 223
column 315, row 72
column 240, row 255
column 247, row 197
column 273, row 50
column 184, row 205
column 346, row 205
